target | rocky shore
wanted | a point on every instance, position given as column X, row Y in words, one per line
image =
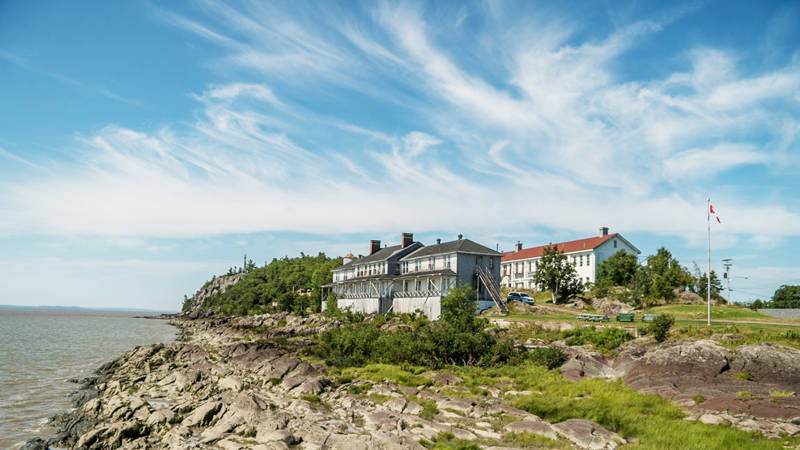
column 245, row 382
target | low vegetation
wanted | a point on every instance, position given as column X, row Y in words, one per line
column 604, row 339
column 459, row 338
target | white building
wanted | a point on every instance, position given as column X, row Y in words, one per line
column 413, row 277
column 518, row 266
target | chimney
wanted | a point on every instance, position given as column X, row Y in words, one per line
column 374, row 246
column 518, row 246
column 408, row 239
column 603, row 231
column 438, row 241
column 460, row 236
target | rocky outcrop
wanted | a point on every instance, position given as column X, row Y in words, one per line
column 243, row 383
column 216, row 286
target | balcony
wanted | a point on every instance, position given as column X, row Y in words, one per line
column 409, row 294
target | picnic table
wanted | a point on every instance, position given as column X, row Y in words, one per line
column 625, row 317
column 593, row 317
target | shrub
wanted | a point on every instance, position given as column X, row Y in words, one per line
column 699, row 399
column 605, row 339
column 550, row 357
column 744, row 376
column 659, row 328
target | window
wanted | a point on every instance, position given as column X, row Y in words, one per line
column 615, row 244
column 430, row 263
column 419, row 285
column 580, row 260
column 573, row 261
column 491, row 263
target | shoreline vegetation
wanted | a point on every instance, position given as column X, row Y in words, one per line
column 343, row 380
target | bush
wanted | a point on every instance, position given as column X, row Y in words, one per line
column 457, row 339
column 605, row 339
column 659, row 328
column 331, row 305
column 550, row 357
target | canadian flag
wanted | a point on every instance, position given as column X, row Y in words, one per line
column 714, row 212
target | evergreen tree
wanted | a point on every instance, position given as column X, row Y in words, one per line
column 618, row 270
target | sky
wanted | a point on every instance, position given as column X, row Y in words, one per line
column 146, row 146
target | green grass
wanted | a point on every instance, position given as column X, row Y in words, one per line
column 649, row 420
column 405, row 376
column 531, row 440
column 744, row 376
column 694, row 312
column 781, row 394
column 751, row 333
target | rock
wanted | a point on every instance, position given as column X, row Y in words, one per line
column 587, row 434
column 713, row 419
column 380, row 420
column 582, row 363
column 446, row 379
column 203, row 414
column 533, row 426
column 275, row 435
column 160, row 416
column 766, row 361
column 35, row 444
column 610, row 307
column 312, row 386
column 461, row 405
column 413, row 408
column 86, row 440
column 290, row 383
column 231, row 383
column 396, row 404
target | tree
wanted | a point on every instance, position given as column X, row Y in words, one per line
column 556, row 274
column 660, row 327
column 618, row 270
column 458, row 309
column 786, row 296
column 758, row 304
column 667, row 274
column 701, row 286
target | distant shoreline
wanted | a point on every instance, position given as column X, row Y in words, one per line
column 83, row 308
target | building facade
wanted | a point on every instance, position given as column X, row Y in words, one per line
column 519, row 265
column 413, row 277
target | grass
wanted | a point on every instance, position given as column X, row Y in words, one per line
column 528, row 440
column 744, row 376
column 650, row 421
column 405, row 376
column 781, row 394
column 694, row 312
column 751, row 333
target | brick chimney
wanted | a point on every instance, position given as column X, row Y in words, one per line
column 408, row 239
column 603, row 231
column 438, row 241
column 374, row 246
column 518, row 246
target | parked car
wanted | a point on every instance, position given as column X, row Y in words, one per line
column 514, row 296
column 527, row 299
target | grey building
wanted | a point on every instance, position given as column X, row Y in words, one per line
column 413, row 277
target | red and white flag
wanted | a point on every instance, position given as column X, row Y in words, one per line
column 711, row 210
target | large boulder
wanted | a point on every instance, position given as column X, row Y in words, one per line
column 769, row 363
column 589, row 435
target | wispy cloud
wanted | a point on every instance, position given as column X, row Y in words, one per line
column 30, row 66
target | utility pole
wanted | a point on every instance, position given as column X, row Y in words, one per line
column 244, row 263
column 708, row 220
column 727, row 262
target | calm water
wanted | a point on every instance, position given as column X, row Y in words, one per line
column 41, row 349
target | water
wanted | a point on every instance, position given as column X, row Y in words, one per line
column 41, row 349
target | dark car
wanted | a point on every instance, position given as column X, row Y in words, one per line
column 514, row 296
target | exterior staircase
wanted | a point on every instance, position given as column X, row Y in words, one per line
column 492, row 288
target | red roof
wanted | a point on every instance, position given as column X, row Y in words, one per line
column 566, row 247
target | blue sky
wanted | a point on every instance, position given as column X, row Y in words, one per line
column 145, row 147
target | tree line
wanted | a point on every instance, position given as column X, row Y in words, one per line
column 276, row 286
column 659, row 279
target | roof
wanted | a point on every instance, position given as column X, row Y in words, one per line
column 442, row 272
column 565, row 247
column 460, row 245
column 381, row 255
column 349, row 255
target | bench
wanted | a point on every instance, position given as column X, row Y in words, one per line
column 650, row 317
column 625, row 317
column 593, row 317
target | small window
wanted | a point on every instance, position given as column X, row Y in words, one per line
column 615, row 244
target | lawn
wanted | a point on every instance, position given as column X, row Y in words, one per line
column 689, row 312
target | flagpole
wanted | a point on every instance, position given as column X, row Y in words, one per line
column 708, row 289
